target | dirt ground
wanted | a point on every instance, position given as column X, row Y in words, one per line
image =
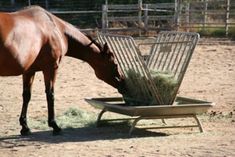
column 210, row 76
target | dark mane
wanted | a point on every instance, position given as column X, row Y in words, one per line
column 93, row 41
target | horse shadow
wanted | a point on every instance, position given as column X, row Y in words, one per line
column 84, row 134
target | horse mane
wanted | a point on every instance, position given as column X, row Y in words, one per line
column 32, row 7
column 94, row 41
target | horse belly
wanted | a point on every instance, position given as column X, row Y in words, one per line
column 8, row 64
column 10, row 71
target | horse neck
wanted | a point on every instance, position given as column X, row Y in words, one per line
column 79, row 45
column 82, row 49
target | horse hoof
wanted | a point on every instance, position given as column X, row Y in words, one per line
column 25, row 132
column 57, row 131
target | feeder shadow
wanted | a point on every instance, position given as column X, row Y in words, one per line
column 109, row 131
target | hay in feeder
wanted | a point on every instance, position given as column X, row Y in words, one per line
column 138, row 94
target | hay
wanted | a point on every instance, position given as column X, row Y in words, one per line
column 137, row 94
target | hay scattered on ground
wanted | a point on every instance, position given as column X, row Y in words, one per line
column 71, row 118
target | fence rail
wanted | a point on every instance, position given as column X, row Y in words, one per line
column 141, row 17
column 187, row 15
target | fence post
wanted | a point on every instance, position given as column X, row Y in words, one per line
column 187, row 16
column 47, row 4
column 146, row 17
column 227, row 17
column 205, row 14
column 177, row 12
column 104, row 18
column 139, row 15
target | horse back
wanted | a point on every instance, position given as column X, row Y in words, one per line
column 27, row 37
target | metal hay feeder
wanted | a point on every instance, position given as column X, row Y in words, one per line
column 171, row 52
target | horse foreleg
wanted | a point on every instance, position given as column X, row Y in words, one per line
column 49, row 77
column 27, row 84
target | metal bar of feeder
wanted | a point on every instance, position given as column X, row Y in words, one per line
column 174, row 50
column 146, row 86
column 177, row 50
column 154, row 48
column 181, row 55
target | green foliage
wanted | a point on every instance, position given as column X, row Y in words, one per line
column 231, row 33
column 212, row 32
column 217, row 32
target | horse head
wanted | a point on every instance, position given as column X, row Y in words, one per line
column 108, row 70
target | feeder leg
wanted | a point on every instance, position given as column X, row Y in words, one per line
column 134, row 124
column 163, row 121
column 198, row 123
column 99, row 117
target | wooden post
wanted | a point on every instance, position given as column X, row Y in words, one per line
column 227, row 18
column 146, row 17
column 177, row 12
column 187, row 16
column 46, row 4
column 29, row 2
column 139, row 15
column 205, row 14
column 104, row 18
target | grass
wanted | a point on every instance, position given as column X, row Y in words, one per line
column 217, row 32
column 231, row 33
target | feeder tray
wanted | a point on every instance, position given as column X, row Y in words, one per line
column 182, row 108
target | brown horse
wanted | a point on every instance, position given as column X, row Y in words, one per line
column 34, row 40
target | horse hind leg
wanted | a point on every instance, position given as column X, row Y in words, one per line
column 27, row 84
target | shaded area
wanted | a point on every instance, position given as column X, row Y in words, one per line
column 109, row 131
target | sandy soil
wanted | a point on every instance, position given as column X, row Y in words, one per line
column 210, row 76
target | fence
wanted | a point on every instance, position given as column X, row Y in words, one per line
column 181, row 15
column 85, row 14
column 140, row 16
column 207, row 14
